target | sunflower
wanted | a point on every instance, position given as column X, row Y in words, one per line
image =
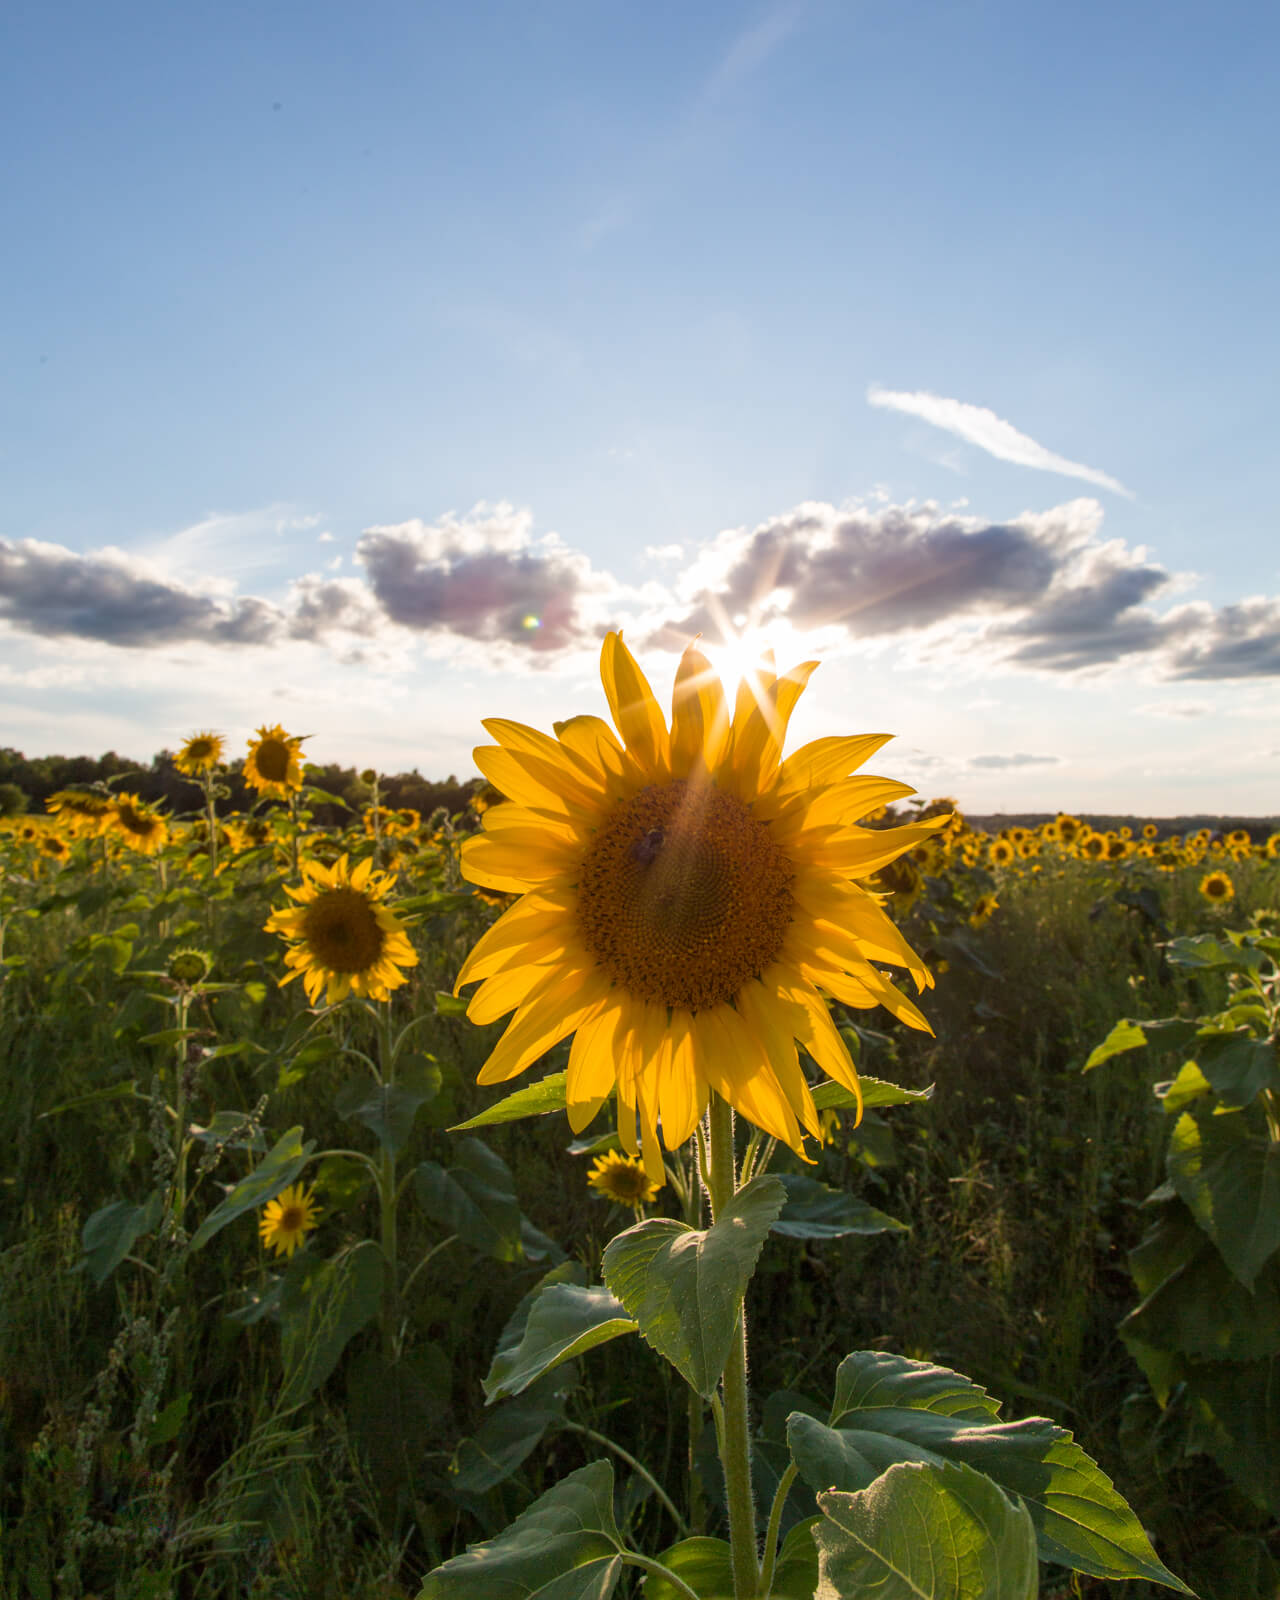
column 1217, row 886
column 82, row 811
column 288, row 1219
column 341, row 939
column 1093, row 846
column 1069, row 828
column 984, row 907
column 622, row 1178
column 201, row 753
column 272, row 765
column 139, row 824
column 1000, row 853
column 54, row 847
column 1149, row 830
column 686, row 903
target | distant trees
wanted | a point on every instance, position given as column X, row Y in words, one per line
column 26, row 783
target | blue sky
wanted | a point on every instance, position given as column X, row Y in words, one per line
column 937, row 340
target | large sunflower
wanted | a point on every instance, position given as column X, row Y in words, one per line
column 341, row 939
column 272, row 765
column 200, row 754
column 687, row 903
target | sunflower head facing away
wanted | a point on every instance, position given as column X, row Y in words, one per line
column 272, row 766
column 288, row 1219
column 688, row 901
column 342, row 940
column 200, row 754
column 622, row 1179
column 138, row 824
column 1217, row 887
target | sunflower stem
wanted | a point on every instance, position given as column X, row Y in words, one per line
column 388, row 1197
column 735, row 1440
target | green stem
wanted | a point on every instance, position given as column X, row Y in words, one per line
column 638, row 1467
column 388, row 1198
column 775, row 1521
column 736, row 1447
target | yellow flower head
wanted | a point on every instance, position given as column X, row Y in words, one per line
column 1217, row 886
column 288, row 1219
column 984, row 907
column 272, row 765
column 1149, row 830
column 622, row 1178
column 1000, row 853
column 688, row 901
column 82, row 811
column 200, row 754
column 1093, row 846
column 342, row 940
column 139, row 824
column 53, row 846
column 1069, row 828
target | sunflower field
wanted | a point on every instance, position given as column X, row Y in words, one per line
column 384, row 1190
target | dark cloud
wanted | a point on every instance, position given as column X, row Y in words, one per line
column 323, row 606
column 49, row 590
column 484, row 578
column 1091, row 616
column 1000, row 762
column 879, row 572
column 1236, row 641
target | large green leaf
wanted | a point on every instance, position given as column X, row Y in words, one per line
column 566, row 1546
column 276, row 1171
column 335, row 1301
column 1204, row 952
column 388, row 1109
column 113, row 1230
column 564, row 1320
column 925, row 1532
column 831, row 1096
column 1125, row 1035
column 891, row 1410
column 1229, row 1177
column 706, row 1566
column 535, row 1100
column 815, row 1211
column 1165, row 1033
column 474, row 1198
column 510, row 1432
column 1240, row 1408
column 1192, row 1303
column 1238, row 1065
column 684, row 1287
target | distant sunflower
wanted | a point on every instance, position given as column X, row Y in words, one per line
column 341, row 939
column 272, row 765
column 1273, row 847
column 687, row 903
column 83, row 811
column 983, row 909
column 1217, row 887
column 54, row 847
column 1000, row 853
column 141, row 826
column 622, row 1178
column 1069, row 828
column 1149, row 830
column 1093, row 846
column 288, row 1219
column 200, row 754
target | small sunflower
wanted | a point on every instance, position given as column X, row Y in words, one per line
column 1069, row 828
column 200, row 754
column 622, row 1178
column 1093, row 846
column 272, row 766
column 1149, row 830
column 984, row 907
column 1217, row 887
column 342, row 940
column 83, row 811
column 1000, row 853
column 138, row 824
column 288, row 1219
column 688, row 901
column 54, row 847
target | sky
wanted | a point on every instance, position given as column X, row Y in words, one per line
column 363, row 365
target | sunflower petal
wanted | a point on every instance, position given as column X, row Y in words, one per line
column 636, row 714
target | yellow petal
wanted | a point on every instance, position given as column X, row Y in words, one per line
column 504, row 992
column 771, row 1020
column 758, row 736
column 820, row 1036
column 837, row 805
column 539, row 1025
column 823, row 760
column 636, row 714
column 514, row 865
column 699, row 715
column 530, row 918
column 733, row 1062
column 682, row 1094
column 591, row 1075
column 532, row 783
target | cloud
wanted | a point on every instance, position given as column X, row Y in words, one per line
column 1236, row 641
column 484, row 577
column 979, row 426
column 1177, row 708
column 664, row 552
column 116, row 599
column 984, row 763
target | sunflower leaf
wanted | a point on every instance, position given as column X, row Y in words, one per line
column 388, row 1109
column 832, row 1096
column 276, row 1171
column 889, row 1410
column 564, row 1320
column 475, row 1198
column 816, row 1211
column 566, row 1546
column 336, row 1300
column 684, row 1287
column 1229, row 1178
column 534, row 1100
column 926, row 1532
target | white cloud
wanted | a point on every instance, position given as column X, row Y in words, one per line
column 979, row 426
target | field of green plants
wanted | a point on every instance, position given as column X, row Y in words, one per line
column 279, row 1281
